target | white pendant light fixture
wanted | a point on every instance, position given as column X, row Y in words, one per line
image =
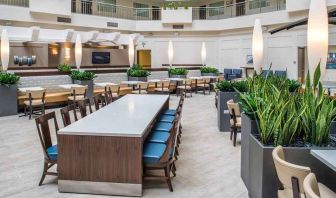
column 317, row 36
column 170, row 52
column 131, row 52
column 257, row 46
column 4, row 50
column 78, row 51
column 203, row 54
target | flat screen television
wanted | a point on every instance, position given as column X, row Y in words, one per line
column 100, row 57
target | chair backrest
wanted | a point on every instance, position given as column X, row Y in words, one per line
column 82, row 105
column 227, row 71
column 36, row 94
column 65, row 113
column 98, row 101
column 237, row 71
column 233, row 107
column 143, row 85
column 170, row 148
column 265, row 73
column 43, row 128
column 113, row 88
column 79, row 90
column 187, row 82
column 207, row 80
column 165, row 83
column 287, row 171
column 280, row 73
column 221, row 78
column 310, row 186
column 108, row 97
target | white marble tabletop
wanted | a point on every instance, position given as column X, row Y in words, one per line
column 154, row 80
column 176, row 79
column 328, row 157
column 213, row 77
column 127, row 117
column 104, row 84
column 132, row 82
column 69, row 86
column 25, row 89
column 196, row 77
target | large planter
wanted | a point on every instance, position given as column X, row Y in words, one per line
column 248, row 127
column 263, row 180
column 333, row 127
column 8, row 100
column 209, row 74
column 142, row 79
column 89, row 83
column 177, row 76
column 223, row 116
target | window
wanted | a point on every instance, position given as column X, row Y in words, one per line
column 254, row 4
column 141, row 10
column 107, row 6
column 216, row 8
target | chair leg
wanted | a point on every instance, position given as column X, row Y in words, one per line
column 174, row 169
column 43, row 109
column 25, row 110
column 30, row 112
column 231, row 134
column 235, row 137
column 167, row 174
column 45, row 169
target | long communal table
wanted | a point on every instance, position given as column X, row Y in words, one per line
column 102, row 153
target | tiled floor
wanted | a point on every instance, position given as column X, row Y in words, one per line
column 208, row 166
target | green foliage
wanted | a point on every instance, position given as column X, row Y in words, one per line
column 9, row 79
column 137, row 71
column 213, row 70
column 177, row 71
column 284, row 115
column 173, row 5
column 82, row 75
column 228, row 86
column 64, row 68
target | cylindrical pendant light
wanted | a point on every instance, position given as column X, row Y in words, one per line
column 131, row 52
column 203, row 53
column 4, row 50
column 317, row 36
column 170, row 53
column 78, row 51
column 257, row 46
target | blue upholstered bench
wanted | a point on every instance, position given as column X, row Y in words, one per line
column 167, row 118
column 170, row 112
column 158, row 137
column 153, row 152
column 163, row 127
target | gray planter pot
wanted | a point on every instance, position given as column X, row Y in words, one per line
column 89, row 83
column 177, row 76
column 263, row 180
column 248, row 127
column 8, row 100
column 142, row 79
column 333, row 127
column 209, row 74
column 223, row 116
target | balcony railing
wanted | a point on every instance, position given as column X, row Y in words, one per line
column 115, row 11
column 20, row 3
column 238, row 9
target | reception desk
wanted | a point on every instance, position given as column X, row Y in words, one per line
column 102, row 153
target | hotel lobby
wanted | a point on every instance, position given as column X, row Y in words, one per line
column 158, row 98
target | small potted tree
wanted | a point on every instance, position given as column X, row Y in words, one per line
column 137, row 73
column 83, row 78
column 209, row 71
column 8, row 94
column 177, row 73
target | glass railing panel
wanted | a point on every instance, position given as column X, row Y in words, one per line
column 20, row 3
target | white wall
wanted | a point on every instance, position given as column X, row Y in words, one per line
column 59, row 7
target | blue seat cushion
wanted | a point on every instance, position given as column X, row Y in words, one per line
column 52, row 152
column 167, row 118
column 171, row 112
column 163, row 127
column 153, row 152
column 158, row 137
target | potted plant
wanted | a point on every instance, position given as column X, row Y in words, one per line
column 8, row 94
column 137, row 73
column 177, row 73
column 209, row 71
column 84, row 78
column 297, row 121
column 227, row 91
column 64, row 68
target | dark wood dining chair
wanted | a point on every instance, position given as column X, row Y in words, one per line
column 235, row 120
column 65, row 113
column 36, row 101
column 108, row 96
column 49, row 149
column 99, row 101
column 83, row 106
